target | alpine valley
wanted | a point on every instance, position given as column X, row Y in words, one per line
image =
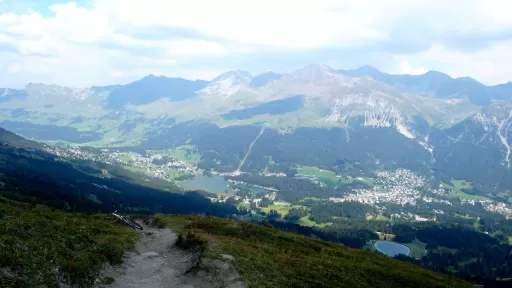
column 350, row 156
column 351, row 122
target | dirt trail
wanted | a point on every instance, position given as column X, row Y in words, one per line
column 157, row 262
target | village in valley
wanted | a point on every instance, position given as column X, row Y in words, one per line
column 399, row 187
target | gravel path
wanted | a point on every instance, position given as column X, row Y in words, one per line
column 157, row 262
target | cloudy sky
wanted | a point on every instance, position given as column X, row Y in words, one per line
column 98, row 42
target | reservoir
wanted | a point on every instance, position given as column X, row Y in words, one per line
column 392, row 248
column 216, row 184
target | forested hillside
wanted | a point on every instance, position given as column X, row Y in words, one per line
column 37, row 176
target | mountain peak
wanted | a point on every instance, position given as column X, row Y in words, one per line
column 313, row 72
column 434, row 72
column 467, row 79
column 317, row 68
column 235, row 74
column 153, row 77
column 368, row 69
column 365, row 70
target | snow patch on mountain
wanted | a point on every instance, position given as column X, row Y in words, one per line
column 228, row 83
column 404, row 130
column 49, row 92
column 81, row 94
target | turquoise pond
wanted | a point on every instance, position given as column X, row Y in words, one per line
column 215, row 184
column 392, row 248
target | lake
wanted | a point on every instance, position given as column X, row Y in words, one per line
column 392, row 248
column 215, row 184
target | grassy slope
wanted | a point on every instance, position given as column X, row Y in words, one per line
column 330, row 178
column 34, row 241
column 179, row 153
column 455, row 187
column 417, row 248
column 266, row 257
column 283, row 210
column 325, row 176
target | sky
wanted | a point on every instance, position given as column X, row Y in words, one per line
column 102, row 42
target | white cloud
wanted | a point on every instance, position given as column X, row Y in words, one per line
column 193, row 47
column 87, row 45
column 304, row 24
column 491, row 66
column 117, row 73
column 285, row 23
column 14, row 68
column 405, row 68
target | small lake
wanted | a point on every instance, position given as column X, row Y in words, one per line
column 215, row 184
column 392, row 248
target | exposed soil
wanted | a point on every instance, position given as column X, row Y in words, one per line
column 157, row 262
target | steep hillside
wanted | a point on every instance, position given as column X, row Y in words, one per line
column 343, row 150
column 153, row 88
column 478, row 148
column 266, row 257
column 38, row 176
column 11, row 139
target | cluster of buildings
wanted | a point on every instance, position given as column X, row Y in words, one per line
column 250, row 198
column 430, row 200
column 411, row 217
column 135, row 161
column 397, row 187
column 492, row 206
column 401, row 187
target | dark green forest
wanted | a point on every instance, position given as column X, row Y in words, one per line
column 352, row 151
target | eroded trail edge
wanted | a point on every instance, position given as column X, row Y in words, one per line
column 157, row 262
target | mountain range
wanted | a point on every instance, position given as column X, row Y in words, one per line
column 345, row 120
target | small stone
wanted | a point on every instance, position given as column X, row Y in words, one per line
column 150, row 254
column 7, row 273
column 227, row 256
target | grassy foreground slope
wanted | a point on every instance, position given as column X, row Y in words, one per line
column 40, row 247
column 266, row 257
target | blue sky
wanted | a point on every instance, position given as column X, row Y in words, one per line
column 100, row 42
